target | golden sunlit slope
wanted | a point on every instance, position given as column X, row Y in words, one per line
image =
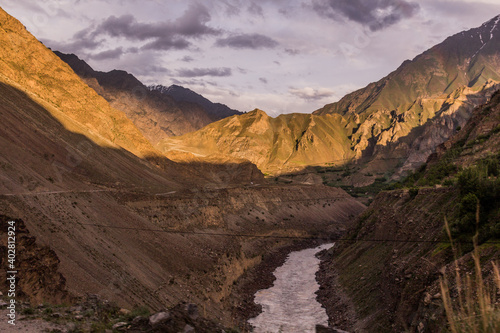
column 29, row 66
column 289, row 141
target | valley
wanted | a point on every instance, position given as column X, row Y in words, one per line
column 149, row 208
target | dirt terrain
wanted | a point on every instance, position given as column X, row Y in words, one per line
column 114, row 243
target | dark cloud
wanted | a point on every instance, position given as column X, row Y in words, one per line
column 81, row 41
column 247, row 41
column 157, row 35
column 194, row 82
column 375, row 14
column 231, row 9
column 191, row 24
column 151, row 70
column 109, row 54
column 187, row 59
column 197, row 72
column 255, row 9
column 263, row 80
column 311, row 94
column 292, row 51
column 166, row 43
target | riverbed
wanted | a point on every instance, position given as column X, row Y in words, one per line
column 290, row 304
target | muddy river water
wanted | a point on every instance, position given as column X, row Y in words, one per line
column 290, row 304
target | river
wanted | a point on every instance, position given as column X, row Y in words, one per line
column 290, row 304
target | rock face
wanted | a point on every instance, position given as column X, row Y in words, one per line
column 399, row 119
column 39, row 279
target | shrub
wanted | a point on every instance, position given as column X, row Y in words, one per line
column 413, row 192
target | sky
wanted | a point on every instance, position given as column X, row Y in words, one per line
column 280, row 56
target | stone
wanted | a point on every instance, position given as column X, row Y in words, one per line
column 140, row 320
column 71, row 327
column 192, row 311
column 79, row 317
column 119, row 325
column 124, row 312
column 427, row 298
column 159, row 318
column 188, row 329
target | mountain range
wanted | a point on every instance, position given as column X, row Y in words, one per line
column 159, row 112
column 100, row 210
column 400, row 119
column 154, row 196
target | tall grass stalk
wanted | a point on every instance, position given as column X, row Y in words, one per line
column 475, row 309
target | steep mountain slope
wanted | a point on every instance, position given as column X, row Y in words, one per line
column 157, row 115
column 216, row 111
column 399, row 119
column 387, row 278
column 29, row 66
column 273, row 144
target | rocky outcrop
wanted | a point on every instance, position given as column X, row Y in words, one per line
column 38, row 271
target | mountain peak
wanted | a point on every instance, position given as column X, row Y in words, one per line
column 216, row 111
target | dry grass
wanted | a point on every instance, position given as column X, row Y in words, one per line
column 474, row 306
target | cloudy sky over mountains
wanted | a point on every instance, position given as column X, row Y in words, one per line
column 278, row 55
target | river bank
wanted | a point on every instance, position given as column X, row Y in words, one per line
column 258, row 278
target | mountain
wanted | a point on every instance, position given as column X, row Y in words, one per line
column 98, row 210
column 389, row 275
column 216, row 111
column 157, row 115
column 393, row 124
column 421, row 89
column 273, row 144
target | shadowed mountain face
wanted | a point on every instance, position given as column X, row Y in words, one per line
column 399, row 119
column 216, row 111
column 157, row 114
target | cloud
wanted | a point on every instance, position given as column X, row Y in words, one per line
column 263, row 80
column 375, row 14
column 197, row 72
column 166, row 43
column 166, row 35
column 256, row 9
column 109, row 54
column 187, row 59
column 191, row 24
column 81, row 41
column 247, row 41
column 311, row 94
column 292, row 51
